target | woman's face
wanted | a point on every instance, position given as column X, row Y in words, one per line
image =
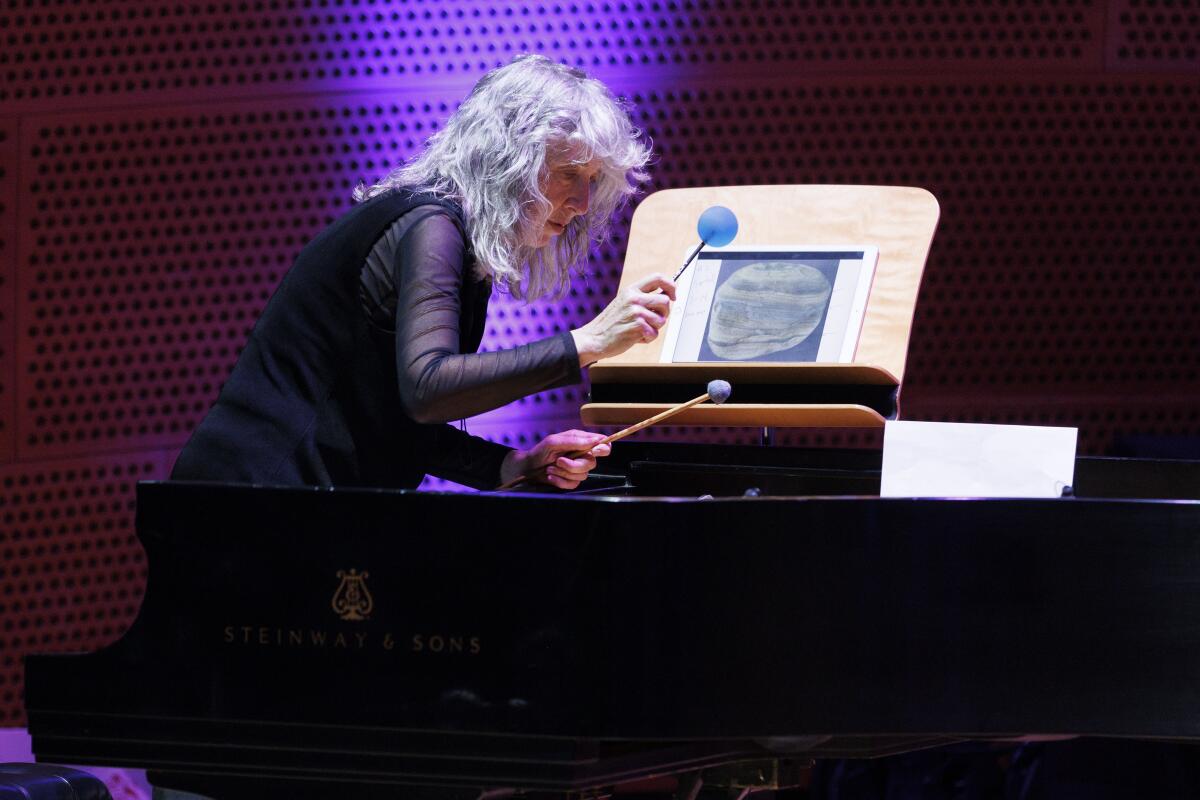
column 568, row 187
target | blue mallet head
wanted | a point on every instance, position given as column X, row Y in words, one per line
column 719, row 391
column 717, row 226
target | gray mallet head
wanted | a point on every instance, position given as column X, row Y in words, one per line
column 718, row 391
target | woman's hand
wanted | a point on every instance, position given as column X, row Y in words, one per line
column 634, row 316
column 552, row 461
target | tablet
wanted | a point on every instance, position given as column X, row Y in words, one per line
column 792, row 303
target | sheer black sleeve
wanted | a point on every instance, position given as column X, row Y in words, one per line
column 460, row 457
column 437, row 382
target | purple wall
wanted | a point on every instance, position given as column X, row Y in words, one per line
column 162, row 163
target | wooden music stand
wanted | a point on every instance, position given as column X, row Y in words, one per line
column 899, row 220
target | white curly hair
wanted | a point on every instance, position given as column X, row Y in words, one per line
column 491, row 159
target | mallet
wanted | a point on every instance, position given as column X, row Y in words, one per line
column 718, row 392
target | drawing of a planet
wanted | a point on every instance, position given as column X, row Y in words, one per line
column 765, row 308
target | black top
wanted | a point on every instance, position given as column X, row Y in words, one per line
column 324, row 395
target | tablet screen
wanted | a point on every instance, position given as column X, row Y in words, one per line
column 792, row 303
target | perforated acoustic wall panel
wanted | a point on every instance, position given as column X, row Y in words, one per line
column 161, row 164
column 76, row 54
column 1154, row 35
column 8, row 285
column 1063, row 263
column 72, row 572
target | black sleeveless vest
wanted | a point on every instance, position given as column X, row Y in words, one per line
column 313, row 398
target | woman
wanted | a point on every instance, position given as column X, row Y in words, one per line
column 368, row 346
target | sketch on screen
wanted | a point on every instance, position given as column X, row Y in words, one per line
column 792, row 303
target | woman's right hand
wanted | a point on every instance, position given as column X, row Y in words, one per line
column 634, row 316
column 562, row 460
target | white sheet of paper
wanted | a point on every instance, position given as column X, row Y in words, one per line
column 955, row 459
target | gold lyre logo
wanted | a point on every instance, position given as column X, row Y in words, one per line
column 352, row 601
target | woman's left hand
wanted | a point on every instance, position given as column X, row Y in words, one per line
column 553, row 462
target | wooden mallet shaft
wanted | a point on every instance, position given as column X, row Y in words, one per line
column 646, row 423
column 718, row 392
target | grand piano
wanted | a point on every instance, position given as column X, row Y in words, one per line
column 719, row 614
